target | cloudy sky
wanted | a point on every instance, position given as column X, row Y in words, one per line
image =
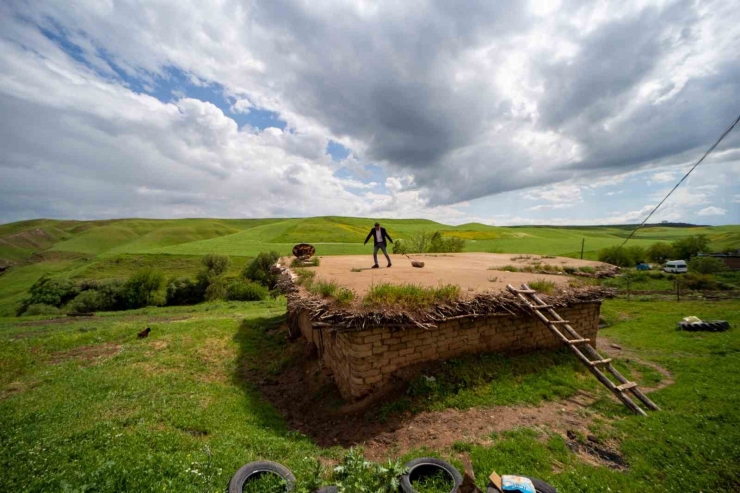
column 503, row 112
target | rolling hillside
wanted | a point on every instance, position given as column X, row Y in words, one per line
column 116, row 248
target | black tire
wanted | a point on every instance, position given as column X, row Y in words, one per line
column 539, row 486
column 327, row 489
column 255, row 469
column 424, row 464
column 708, row 326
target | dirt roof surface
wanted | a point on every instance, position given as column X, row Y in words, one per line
column 468, row 270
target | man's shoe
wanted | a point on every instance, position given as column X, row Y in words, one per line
column 376, row 266
column 389, row 265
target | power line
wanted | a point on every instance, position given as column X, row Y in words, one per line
column 709, row 151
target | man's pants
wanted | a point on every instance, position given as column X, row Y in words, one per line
column 380, row 246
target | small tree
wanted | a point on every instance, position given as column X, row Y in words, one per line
column 706, row 265
column 616, row 256
column 145, row 288
column 216, row 265
column 691, row 246
column 660, row 252
column 261, row 269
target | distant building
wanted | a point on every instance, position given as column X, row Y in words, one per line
column 731, row 260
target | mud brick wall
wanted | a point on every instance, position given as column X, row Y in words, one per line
column 362, row 361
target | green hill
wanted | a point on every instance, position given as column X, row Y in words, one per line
column 116, row 248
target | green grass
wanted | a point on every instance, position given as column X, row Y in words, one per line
column 265, row 483
column 86, row 406
column 409, row 296
column 542, row 286
column 438, row 482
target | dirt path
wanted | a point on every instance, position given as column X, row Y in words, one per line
column 606, row 346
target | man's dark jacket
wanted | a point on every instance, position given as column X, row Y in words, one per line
column 384, row 235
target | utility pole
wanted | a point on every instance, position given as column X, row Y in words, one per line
column 583, row 242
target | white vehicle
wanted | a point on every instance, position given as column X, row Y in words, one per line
column 676, row 266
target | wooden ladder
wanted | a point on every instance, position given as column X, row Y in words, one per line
column 584, row 351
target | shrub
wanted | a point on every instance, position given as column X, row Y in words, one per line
column 400, row 247
column 542, row 286
column 691, row 246
column 216, row 265
column 260, row 269
column 216, row 290
column 409, row 296
column 569, row 269
column 587, row 269
column 185, row 291
column 660, row 252
column 440, row 244
column 241, row 290
column 112, row 296
column 506, row 268
column 87, row 302
column 428, row 242
column 144, row 288
column 616, row 256
column 706, row 265
column 53, row 292
column 41, row 309
column 700, row 282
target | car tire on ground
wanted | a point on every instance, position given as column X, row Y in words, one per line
column 708, row 326
column 424, row 464
column 257, row 468
column 539, row 486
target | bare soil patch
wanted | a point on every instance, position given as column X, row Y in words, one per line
column 468, row 270
column 90, row 353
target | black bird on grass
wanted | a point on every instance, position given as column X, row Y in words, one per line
column 144, row 333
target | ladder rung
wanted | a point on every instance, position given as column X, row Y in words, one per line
column 525, row 291
column 626, row 386
column 578, row 341
column 540, row 307
column 600, row 362
column 559, row 321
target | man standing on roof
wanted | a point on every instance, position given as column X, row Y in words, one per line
column 379, row 235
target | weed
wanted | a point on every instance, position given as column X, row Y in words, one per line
column 587, row 269
column 355, row 269
column 265, row 483
column 305, row 277
column 542, row 286
column 323, row 288
column 493, row 279
column 344, row 296
column 437, row 482
column 409, row 296
column 506, row 268
column 355, row 473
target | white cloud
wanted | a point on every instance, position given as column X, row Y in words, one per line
column 453, row 104
column 663, row 177
column 712, row 211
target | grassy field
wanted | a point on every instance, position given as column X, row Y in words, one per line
column 116, row 248
column 86, row 406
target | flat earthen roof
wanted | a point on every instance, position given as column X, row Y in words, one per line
column 468, row 270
